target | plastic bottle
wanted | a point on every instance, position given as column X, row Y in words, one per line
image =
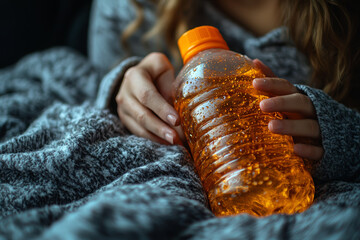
column 244, row 168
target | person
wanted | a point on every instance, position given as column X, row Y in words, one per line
column 300, row 45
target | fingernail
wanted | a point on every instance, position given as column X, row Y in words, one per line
column 169, row 137
column 274, row 126
column 259, row 81
column 267, row 105
column 172, row 119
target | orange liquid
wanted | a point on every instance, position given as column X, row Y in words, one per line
column 244, row 167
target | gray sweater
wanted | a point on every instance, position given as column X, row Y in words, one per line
column 275, row 49
column 70, row 170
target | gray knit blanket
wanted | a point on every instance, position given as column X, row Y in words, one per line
column 70, row 170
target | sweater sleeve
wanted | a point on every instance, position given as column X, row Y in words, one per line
column 111, row 82
column 107, row 22
column 340, row 131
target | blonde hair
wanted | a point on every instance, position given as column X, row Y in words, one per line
column 323, row 30
column 173, row 19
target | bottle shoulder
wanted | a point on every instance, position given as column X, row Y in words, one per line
column 215, row 68
column 216, row 63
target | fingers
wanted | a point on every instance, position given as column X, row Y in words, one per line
column 147, row 94
column 301, row 128
column 308, row 151
column 274, row 86
column 161, row 72
column 148, row 120
column 265, row 69
column 141, row 107
column 298, row 107
column 307, row 130
column 140, row 131
column 156, row 64
column 293, row 103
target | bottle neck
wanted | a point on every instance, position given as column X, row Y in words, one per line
column 200, row 39
column 200, row 48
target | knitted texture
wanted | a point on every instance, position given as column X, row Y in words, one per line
column 69, row 170
column 340, row 131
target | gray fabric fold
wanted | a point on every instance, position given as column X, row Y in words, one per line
column 72, row 171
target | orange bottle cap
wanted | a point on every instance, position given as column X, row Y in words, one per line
column 199, row 39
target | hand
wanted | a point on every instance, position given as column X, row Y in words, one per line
column 144, row 101
column 301, row 121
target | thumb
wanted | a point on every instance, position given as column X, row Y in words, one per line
column 165, row 85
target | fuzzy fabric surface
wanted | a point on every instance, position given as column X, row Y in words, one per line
column 70, row 170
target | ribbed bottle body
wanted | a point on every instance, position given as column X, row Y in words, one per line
column 244, row 168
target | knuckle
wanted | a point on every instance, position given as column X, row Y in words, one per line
column 130, row 73
column 119, row 99
column 141, row 117
column 313, row 127
column 279, row 102
column 159, row 61
column 157, row 56
column 302, row 99
column 145, row 96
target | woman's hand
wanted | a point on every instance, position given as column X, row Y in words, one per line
column 301, row 121
column 144, row 101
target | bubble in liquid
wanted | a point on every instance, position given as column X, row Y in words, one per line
column 251, row 129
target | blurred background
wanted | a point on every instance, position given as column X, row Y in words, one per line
column 31, row 25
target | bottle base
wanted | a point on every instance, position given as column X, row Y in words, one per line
column 275, row 193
